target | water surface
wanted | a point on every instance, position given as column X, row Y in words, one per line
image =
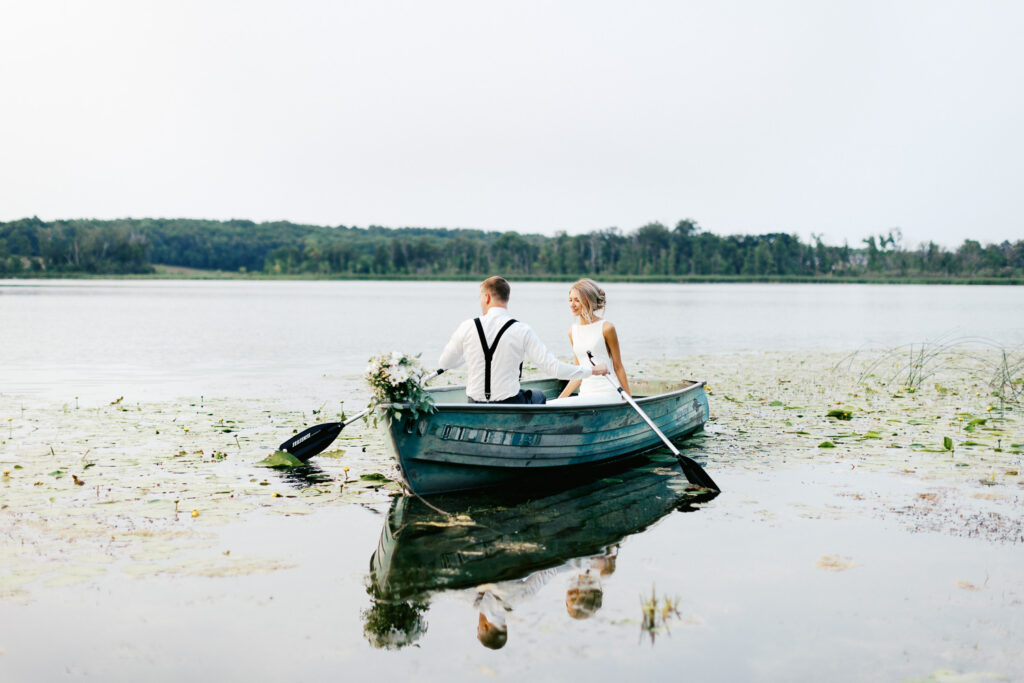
column 162, row 339
column 875, row 560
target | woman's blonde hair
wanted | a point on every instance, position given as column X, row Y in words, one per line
column 592, row 297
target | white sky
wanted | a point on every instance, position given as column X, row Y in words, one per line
column 839, row 118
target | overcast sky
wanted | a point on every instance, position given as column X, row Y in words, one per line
column 839, row 118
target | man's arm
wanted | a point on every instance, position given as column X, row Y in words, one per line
column 452, row 356
column 538, row 354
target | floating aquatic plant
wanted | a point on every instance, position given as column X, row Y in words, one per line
column 280, row 460
column 655, row 613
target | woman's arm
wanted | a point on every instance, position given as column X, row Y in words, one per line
column 573, row 384
column 611, row 341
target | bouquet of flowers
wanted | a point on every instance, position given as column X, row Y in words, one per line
column 395, row 378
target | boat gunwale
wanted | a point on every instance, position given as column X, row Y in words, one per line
column 530, row 407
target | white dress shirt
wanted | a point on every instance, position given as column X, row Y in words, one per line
column 518, row 343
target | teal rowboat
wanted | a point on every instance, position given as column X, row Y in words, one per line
column 467, row 446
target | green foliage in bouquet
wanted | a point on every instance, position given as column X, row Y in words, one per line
column 396, row 381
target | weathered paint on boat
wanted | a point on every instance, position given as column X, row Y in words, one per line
column 485, row 538
column 465, row 446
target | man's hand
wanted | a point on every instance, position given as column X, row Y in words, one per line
column 600, row 369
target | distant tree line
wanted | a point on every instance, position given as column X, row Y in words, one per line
column 133, row 246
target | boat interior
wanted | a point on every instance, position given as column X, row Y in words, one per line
column 551, row 387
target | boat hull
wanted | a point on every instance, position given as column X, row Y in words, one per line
column 466, row 446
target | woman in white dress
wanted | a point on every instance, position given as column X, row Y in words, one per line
column 596, row 335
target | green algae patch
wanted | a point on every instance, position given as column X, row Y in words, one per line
column 152, row 487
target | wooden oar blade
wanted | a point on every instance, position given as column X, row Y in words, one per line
column 695, row 474
column 313, row 440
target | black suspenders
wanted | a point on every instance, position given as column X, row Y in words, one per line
column 489, row 352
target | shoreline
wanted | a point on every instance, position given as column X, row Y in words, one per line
column 181, row 273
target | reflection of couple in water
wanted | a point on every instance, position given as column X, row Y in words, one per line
column 395, row 625
column 467, row 556
column 582, row 599
column 494, row 346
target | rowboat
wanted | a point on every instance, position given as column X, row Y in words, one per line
column 466, row 446
column 492, row 537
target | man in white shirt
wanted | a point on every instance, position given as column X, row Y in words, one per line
column 494, row 347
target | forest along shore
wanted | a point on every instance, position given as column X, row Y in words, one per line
column 122, row 488
column 31, row 247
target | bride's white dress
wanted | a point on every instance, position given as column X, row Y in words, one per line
column 595, row 389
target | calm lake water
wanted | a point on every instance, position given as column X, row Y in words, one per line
column 385, row 591
column 163, row 339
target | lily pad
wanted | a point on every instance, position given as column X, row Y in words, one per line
column 840, row 414
column 974, row 424
column 280, row 460
column 826, row 444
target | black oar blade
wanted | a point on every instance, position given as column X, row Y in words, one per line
column 313, row 440
column 695, row 474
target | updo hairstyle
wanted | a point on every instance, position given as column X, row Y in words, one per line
column 592, row 298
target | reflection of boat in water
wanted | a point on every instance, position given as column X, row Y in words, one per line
column 484, row 539
column 467, row 446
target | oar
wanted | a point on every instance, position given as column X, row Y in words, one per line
column 695, row 474
column 309, row 442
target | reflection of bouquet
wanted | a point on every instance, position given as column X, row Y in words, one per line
column 392, row 626
column 396, row 378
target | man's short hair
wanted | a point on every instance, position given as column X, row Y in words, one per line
column 497, row 287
